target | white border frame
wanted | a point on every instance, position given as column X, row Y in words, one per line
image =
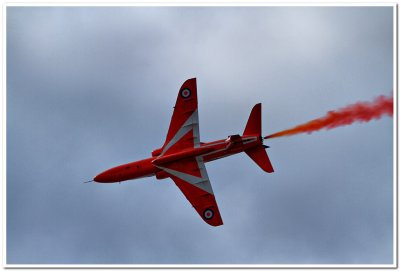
column 254, row 3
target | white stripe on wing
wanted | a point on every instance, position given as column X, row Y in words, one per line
column 189, row 124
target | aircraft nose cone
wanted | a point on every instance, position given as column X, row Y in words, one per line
column 102, row 178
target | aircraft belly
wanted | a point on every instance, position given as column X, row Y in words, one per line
column 141, row 176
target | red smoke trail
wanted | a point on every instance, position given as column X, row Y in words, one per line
column 358, row 112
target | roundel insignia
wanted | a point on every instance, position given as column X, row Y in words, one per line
column 185, row 93
column 208, row 214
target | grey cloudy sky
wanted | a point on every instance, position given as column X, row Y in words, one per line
column 90, row 88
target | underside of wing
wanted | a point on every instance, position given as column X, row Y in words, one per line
column 183, row 130
column 192, row 179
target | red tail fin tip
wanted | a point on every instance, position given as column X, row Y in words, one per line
column 253, row 126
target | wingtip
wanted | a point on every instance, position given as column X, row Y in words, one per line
column 189, row 80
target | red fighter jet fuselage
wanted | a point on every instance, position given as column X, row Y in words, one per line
column 148, row 167
column 182, row 157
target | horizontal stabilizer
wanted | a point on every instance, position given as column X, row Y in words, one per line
column 260, row 156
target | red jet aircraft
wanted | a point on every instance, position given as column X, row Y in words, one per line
column 182, row 157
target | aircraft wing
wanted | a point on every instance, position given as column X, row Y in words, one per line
column 189, row 174
column 184, row 127
column 191, row 177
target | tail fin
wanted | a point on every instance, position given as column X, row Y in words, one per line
column 253, row 127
